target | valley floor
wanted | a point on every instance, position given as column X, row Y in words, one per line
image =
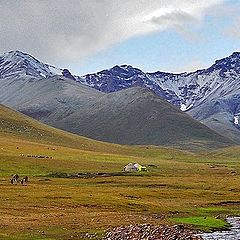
column 179, row 187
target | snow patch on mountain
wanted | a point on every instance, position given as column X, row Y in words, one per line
column 184, row 108
column 236, row 120
column 16, row 64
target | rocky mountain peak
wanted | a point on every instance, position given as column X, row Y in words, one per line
column 15, row 64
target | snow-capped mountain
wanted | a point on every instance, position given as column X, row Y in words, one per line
column 193, row 89
column 185, row 90
column 15, row 64
column 122, row 77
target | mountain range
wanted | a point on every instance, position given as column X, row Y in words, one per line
column 114, row 105
column 210, row 95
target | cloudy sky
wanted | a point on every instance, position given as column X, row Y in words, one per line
column 90, row 35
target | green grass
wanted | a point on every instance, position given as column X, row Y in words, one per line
column 217, row 210
column 24, row 237
column 204, row 223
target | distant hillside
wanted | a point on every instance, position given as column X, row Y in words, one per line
column 17, row 125
column 221, row 115
column 131, row 116
column 47, row 100
column 138, row 116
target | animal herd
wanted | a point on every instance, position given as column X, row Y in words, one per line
column 34, row 156
column 15, row 179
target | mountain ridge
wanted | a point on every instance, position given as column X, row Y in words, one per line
column 131, row 116
column 137, row 116
column 189, row 92
column 17, row 64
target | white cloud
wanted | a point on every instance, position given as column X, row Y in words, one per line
column 71, row 30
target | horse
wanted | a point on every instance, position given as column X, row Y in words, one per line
column 14, row 179
column 24, row 180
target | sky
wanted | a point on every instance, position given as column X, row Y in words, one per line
column 87, row 36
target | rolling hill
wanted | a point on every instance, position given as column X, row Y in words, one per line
column 14, row 125
column 138, row 116
column 132, row 116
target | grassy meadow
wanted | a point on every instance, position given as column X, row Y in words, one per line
column 180, row 187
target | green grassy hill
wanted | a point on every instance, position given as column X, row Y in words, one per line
column 15, row 124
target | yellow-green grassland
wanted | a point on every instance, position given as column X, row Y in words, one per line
column 196, row 189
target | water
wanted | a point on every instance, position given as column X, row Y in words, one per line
column 232, row 234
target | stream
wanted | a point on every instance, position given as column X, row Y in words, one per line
column 232, row 234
